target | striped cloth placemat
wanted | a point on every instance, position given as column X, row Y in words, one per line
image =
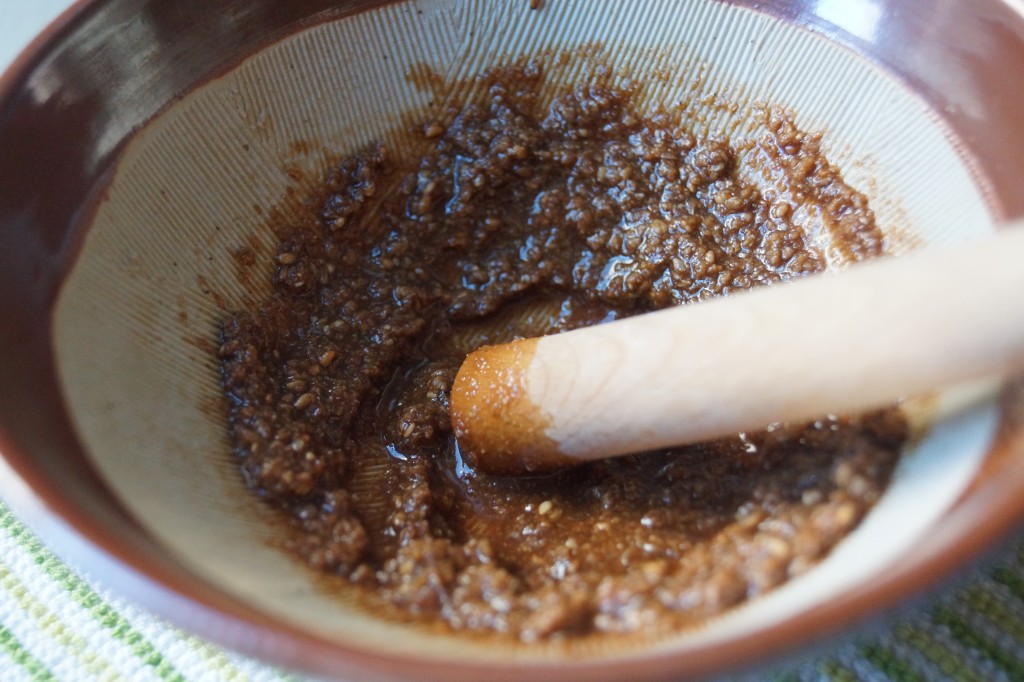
column 58, row 625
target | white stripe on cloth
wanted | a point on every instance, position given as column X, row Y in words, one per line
column 192, row 657
column 76, row 618
column 195, row 659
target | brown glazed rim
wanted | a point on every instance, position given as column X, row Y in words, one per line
column 46, row 476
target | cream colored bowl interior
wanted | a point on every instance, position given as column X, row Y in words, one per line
column 136, row 323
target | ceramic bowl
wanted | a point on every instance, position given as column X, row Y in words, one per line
column 144, row 142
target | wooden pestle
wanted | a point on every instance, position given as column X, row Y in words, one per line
column 833, row 343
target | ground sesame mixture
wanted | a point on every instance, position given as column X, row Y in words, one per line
column 522, row 218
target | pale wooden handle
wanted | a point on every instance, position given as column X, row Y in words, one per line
column 826, row 344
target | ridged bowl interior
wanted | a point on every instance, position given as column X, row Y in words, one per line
column 136, row 323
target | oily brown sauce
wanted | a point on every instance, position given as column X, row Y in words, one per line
column 519, row 218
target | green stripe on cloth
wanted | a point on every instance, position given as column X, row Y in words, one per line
column 890, row 663
column 10, row 645
column 837, row 672
column 1011, row 580
column 50, row 624
column 973, row 639
column 216, row 664
column 938, row 653
column 985, row 602
column 981, row 601
column 80, row 591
